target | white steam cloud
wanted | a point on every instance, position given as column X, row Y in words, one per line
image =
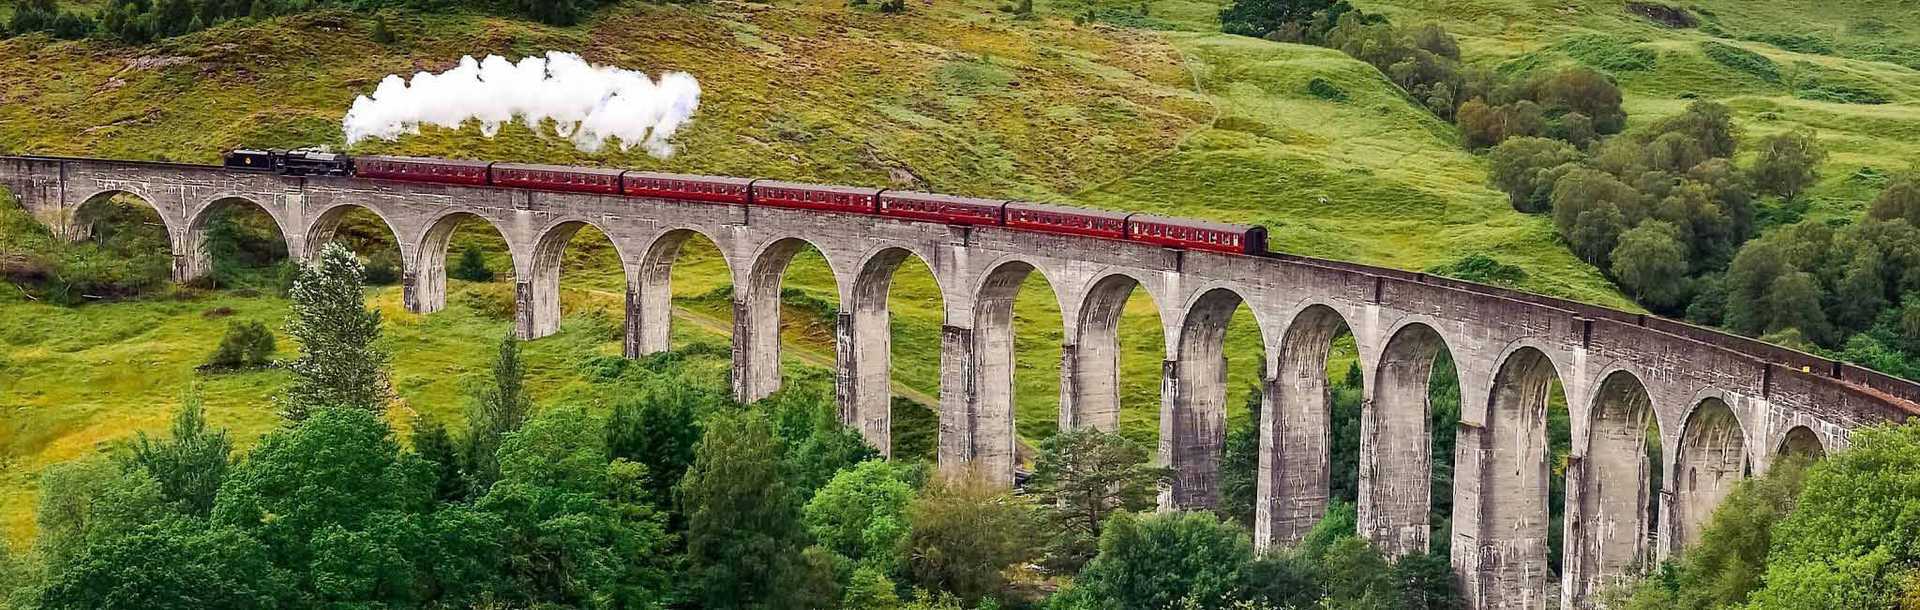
column 589, row 104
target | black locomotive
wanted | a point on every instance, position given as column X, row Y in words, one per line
column 302, row 162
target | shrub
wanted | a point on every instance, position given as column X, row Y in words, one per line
column 1608, row 53
column 472, row 266
column 246, row 345
column 1741, row 59
column 495, row 301
column 382, row 271
column 1326, row 90
column 1481, row 268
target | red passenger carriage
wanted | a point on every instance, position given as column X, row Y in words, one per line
column 815, row 197
column 558, row 178
column 942, row 208
column 416, row 169
column 1063, row 219
column 716, row 189
column 1197, row 234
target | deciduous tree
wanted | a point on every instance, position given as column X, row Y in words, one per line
column 341, row 363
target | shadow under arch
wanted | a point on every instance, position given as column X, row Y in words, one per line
column 539, row 294
column 991, row 437
column 429, row 288
column 1710, row 460
column 1397, row 462
column 650, row 290
column 1516, row 484
column 1801, row 441
column 1194, row 402
column 756, row 318
column 327, row 225
column 99, row 218
column 865, row 347
column 1609, row 526
column 1293, row 486
column 1092, row 394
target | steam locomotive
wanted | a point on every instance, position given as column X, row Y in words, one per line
column 929, row 207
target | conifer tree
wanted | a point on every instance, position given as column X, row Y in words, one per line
column 496, row 410
column 340, row 363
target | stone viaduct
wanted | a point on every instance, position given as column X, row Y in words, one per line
column 1725, row 406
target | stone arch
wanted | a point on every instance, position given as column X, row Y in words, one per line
column 1193, row 403
column 1711, row 458
column 1396, row 462
column 1296, row 430
column 992, row 439
column 1516, row 483
column 650, row 291
column 196, row 237
column 1803, row 442
column 76, row 226
column 537, row 297
column 756, row 317
column 1608, row 521
column 865, row 347
column 1091, row 363
column 428, row 291
column 327, row 222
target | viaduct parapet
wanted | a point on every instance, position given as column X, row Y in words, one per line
column 1726, row 406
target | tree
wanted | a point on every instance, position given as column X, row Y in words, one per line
column 742, row 523
column 246, row 345
column 1086, row 475
column 1592, row 208
column 178, row 563
column 660, row 429
column 1526, row 169
column 861, row 514
column 383, row 35
column 495, row 410
column 340, row 365
column 337, row 505
column 1900, row 200
column 1159, row 560
column 1259, row 17
column 816, row 444
column 1794, row 302
column 1583, row 91
column 188, row 467
column 1851, row 537
column 1787, row 163
column 472, row 266
column 579, row 529
column 1240, row 466
column 1651, row 264
column 869, row 589
column 1726, row 565
column 437, row 448
column 965, row 532
column 85, row 502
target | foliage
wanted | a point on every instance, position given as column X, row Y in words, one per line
column 46, row 16
column 495, row 410
column 1900, row 200
column 1743, row 60
column 1852, row 539
column 83, row 503
column 435, row 446
column 965, row 532
column 582, row 526
column 1084, row 476
column 239, row 246
column 1483, row 269
column 178, row 563
column 1787, row 162
column 861, row 514
column 1527, row 167
column 659, row 428
column 1156, row 561
column 340, row 363
column 1239, row 476
column 246, row 345
column 337, row 505
column 190, row 465
column 1651, row 264
column 472, row 266
column 742, row 522
column 1725, row 567
column 815, row 444
column 1289, row 18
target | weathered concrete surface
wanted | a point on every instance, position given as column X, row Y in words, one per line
column 1724, row 406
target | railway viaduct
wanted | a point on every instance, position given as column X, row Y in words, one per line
column 1726, row 407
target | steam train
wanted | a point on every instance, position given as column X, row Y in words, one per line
column 1178, row 233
